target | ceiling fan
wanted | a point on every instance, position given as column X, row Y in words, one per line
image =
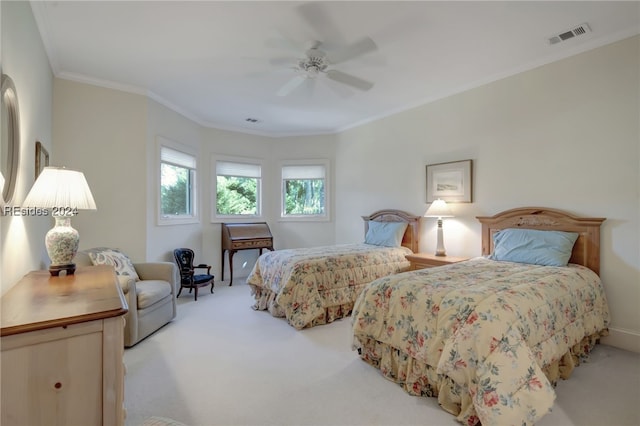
column 318, row 62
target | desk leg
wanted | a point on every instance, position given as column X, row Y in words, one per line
column 222, row 263
column 231, row 253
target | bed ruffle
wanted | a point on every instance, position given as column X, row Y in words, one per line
column 420, row 379
column 266, row 301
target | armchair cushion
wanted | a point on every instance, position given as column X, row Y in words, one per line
column 151, row 291
column 165, row 271
column 115, row 258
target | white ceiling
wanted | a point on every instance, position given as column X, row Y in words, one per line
column 212, row 60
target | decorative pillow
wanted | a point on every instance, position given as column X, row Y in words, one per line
column 548, row 248
column 115, row 258
column 387, row 234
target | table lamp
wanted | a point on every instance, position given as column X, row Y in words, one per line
column 64, row 192
column 439, row 209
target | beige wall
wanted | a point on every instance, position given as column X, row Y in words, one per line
column 103, row 133
column 108, row 134
column 112, row 136
column 23, row 58
column 565, row 135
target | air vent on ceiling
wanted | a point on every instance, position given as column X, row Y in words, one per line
column 577, row 31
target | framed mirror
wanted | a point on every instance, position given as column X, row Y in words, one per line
column 10, row 149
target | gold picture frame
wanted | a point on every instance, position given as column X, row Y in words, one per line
column 451, row 182
column 42, row 158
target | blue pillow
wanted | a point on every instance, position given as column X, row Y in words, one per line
column 387, row 234
column 548, row 248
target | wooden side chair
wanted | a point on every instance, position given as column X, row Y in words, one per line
column 188, row 278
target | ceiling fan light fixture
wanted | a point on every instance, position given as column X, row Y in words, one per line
column 314, row 64
column 317, row 63
column 312, row 72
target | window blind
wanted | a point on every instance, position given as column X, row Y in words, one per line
column 303, row 172
column 168, row 155
column 228, row 168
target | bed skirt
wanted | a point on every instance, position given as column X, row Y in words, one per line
column 420, row 379
column 266, row 301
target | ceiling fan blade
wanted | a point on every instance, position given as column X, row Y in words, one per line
column 354, row 50
column 310, row 86
column 291, row 85
column 350, row 80
column 284, row 41
column 341, row 90
column 316, row 15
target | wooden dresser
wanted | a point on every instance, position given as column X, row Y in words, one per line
column 244, row 236
column 62, row 347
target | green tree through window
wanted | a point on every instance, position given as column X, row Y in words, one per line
column 304, row 197
column 238, row 186
column 236, row 195
column 177, row 185
column 304, row 189
column 175, row 190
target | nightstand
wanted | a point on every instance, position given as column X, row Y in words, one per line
column 424, row 260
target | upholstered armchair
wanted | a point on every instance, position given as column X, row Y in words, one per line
column 148, row 287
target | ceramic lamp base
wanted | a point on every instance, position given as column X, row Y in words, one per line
column 62, row 245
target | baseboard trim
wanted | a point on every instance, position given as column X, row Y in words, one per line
column 624, row 339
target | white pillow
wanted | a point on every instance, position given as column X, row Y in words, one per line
column 115, row 258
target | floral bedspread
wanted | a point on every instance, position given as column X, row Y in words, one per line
column 317, row 285
column 489, row 327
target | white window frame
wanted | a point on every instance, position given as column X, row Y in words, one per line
column 326, row 216
column 215, row 217
column 186, row 152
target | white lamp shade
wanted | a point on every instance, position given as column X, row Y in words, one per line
column 438, row 208
column 60, row 187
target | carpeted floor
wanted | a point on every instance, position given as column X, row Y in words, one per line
column 221, row 363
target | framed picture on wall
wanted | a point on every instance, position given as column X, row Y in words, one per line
column 450, row 182
column 42, row 158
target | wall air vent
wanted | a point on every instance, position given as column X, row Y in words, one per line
column 566, row 35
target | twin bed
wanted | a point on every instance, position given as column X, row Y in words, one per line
column 490, row 336
column 318, row 285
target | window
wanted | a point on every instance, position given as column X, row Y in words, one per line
column 304, row 190
column 177, row 186
column 238, row 188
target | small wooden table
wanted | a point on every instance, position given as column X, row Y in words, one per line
column 244, row 236
column 425, row 260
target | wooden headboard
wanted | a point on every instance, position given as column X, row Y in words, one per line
column 586, row 250
column 410, row 238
